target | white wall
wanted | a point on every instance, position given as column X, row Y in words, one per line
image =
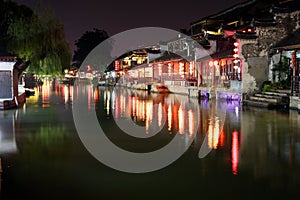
column 7, row 65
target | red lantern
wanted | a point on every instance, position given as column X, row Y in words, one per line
column 117, row 65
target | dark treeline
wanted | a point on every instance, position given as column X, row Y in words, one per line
column 38, row 38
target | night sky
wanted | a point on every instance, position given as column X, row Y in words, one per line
column 117, row 16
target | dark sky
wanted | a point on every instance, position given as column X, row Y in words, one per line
column 117, row 16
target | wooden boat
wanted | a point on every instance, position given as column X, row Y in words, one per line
column 68, row 81
column 162, row 89
column 29, row 92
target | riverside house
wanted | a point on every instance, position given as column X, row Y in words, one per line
column 11, row 94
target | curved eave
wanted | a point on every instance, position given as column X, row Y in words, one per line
column 245, row 36
column 289, row 47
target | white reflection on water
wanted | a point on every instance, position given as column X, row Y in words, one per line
column 181, row 120
column 213, row 133
column 169, row 118
column 162, row 109
column 7, row 131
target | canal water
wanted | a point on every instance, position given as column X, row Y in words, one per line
column 252, row 153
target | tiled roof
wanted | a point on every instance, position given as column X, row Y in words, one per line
column 219, row 55
column 292, row 41
column 287, row 6
column 248, row 10
column 8, row 59
column 168, row 56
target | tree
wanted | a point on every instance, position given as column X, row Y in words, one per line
column 284, row 73
column 41, row 40
column 88, row 42
column 282, row 69
column 9, row 11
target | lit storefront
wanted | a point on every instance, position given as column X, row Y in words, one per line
column 288, row 48
column 223, row 67
column 173, row 70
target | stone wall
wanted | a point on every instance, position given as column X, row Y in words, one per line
column 249, row 81
column 289, row 21
column 256, row 52
column 257, row 67
column 268, row 36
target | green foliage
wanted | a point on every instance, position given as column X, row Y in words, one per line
column 280, row 85
column 267, row 88
column 9, row 11
column 40, row 39
column 282, row 68
column 283, row 84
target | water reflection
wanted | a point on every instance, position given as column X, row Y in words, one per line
column 50, row 88
column 213, row 134
column 235, row 152
column 224, row 130
column 177, row 113
column 8, row 122
column 8, row 144
column 47, row 138
column 270, row 137
column 146, row 109
column 252, row 150
column 1, row 171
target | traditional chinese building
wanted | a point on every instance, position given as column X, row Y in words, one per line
column 11, row 69
column 240, row 40
column 237, row 54
column 286, row 52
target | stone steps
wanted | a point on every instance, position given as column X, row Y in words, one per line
column 264, row 99
column 270, row 100
column 276, row 94
column 267, row 96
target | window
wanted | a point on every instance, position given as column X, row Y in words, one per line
column 6, row 91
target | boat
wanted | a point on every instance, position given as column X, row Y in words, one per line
column 29, row 92
column 160, row 89
column 68, row 81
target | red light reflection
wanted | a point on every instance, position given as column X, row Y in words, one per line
column 235, row 152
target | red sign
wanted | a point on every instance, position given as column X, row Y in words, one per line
column 117, row 65
column 228, row 33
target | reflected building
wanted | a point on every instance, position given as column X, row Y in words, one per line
column 178, row 114
column 8, row 145
column 220, row 124
column 278, row 142
column 174, row 112
column 7, row 131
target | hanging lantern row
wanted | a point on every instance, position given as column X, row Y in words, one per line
column 169, row 68
column 236, row 55
column 181, row 69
